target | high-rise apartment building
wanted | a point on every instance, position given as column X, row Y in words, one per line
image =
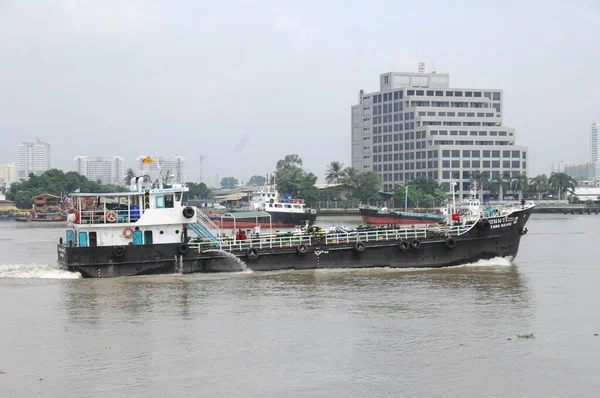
column 33, row 157
column 8, row 175
column 416, row 125
column 107, row 170
column 173, row 169
column 594, row 149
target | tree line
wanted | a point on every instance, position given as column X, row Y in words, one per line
column 558, row 184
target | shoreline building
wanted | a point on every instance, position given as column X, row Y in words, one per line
column 33, row 157
column 8, row 175
column 416, row 125
column 107, row 170
column 173, row 169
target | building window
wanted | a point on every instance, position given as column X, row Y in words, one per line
column 468, row 93
column 430, row 93
column 477, row 94
column 515, row 164
column 495, row 154
column 455, row 153
column 466, row 164
column 496, row 96
column 495, row 164
column 475, row 164
column 455, row 164
column 506, row 164
column 458, row 94
column 515, row 154
column 486, row 164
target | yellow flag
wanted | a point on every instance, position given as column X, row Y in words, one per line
column 147, row 160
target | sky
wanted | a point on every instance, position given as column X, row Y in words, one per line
column 245, row 83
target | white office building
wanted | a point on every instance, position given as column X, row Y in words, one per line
column 34, row 157
column 416, row 125
column 106, row 170
column 8, row 175
column 173, row 169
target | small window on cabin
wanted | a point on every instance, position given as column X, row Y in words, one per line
column 270, row 205
column 288, row 206
column 169, row 201
column 296, row 206
column 177, row 197
column 278, row 205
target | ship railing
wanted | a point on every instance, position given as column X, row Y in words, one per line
column 207, row 222
column 329, row 238
column 102, row 216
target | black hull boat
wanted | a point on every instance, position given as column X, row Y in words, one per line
column 416, row 247
column 243, row 219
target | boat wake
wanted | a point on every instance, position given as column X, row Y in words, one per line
column 34, row 271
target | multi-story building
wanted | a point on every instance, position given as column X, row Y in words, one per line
column 107, row 170
column 8, row 175
column 173, row 169
column 594, row 149
column 416, row 125
column 34, row 157
column 581, row 171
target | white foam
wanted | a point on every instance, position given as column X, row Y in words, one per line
column 28, row 271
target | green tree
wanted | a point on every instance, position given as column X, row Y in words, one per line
column 128, row 176
column 335, row 171
column 256, row 181
column 498, row 184
column 288, row 161
column 482, row 179
column 350, row 177
column 199, row 191
column 539, row 185
column 55, row 182
column 519, row 184
column 561, row 182
column 422, row 192
column 369, row 184
column 229, row 182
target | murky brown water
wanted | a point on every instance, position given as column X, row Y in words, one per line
column 450, row 332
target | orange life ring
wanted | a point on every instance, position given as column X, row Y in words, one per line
column 128, row 233
column 111, row 216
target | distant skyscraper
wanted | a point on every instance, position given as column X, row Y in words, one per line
column 33, row 157
column 107, row 170
column 8, row 175
column 595, row 149
column 173, row 169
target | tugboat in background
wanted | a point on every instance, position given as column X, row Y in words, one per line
column 268, row 209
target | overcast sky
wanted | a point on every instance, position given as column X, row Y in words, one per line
column 247, row 82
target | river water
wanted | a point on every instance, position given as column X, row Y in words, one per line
column 356, row 333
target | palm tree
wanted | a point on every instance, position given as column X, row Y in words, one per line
column 482, row 180
column 539, row 184
column 561, row 182
column 129, row 175
column 351, row 177
column 519, row 184
column 334, row 172
column 498, row 184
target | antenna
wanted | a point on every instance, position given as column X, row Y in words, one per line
column 201, row 157
column 421, row 67
column 360, row 96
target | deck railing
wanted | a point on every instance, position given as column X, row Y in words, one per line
column 106, row 216
column 329, row 238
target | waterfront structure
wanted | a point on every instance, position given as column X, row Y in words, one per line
column 416, row 125
column 33, row 157
column 594, row 149
column 8, row 175
column 173, row 169
column 106, row 170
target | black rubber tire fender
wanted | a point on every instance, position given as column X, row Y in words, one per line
column 403, row 245
column 301, row 248
column 485, row 224
column 119, row 251
column 252, row 253
column 188, row 212
column 415, row 244
column 359, row 247
column 182, row 248
column 450, row 242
